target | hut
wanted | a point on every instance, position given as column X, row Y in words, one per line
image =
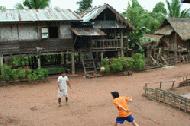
column 150, row 44
column 36, row 32
column 100, row 32
column 106, row 36
column 175, row 42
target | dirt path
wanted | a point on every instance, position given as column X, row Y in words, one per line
column 90, row 102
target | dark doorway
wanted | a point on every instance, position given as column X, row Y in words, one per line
column 53, row 32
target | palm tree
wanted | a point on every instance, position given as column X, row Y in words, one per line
column 175, row 10
column 33, row 4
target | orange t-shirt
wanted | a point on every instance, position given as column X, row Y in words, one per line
column 122, row 101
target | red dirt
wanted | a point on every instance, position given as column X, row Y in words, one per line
column 90, row 102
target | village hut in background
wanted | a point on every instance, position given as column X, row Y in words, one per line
column 175, row 41
column 103, row 33
column 71, row 39
column 150, row 44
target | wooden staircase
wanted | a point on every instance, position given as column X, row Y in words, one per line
column 89, row 66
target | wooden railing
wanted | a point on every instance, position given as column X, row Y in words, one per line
column 167, row 97
column 106, row 44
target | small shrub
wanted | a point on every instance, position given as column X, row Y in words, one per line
column 129, row 63
column 105, row 62
column 41, row 73
column 9, row 73
column 32, row 76
column 107, row 69
column 116, row 65
column 19, row 61
column 139, row 61
column 21, row 73
column 55, row 70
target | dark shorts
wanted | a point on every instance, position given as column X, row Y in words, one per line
column 121, row 120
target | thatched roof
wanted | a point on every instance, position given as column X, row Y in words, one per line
column 179, row 25
column 150, row 38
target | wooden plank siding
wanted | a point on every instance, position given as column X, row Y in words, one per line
column 25, row 38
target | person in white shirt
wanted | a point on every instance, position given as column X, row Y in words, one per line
column 63, row 81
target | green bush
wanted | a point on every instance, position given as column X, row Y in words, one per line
column 19, row 61
column 105, row 62
column 21, row 73
column 9, row 73
column 32, row 76
column 38, row 74
column 136, row 62
column 139, row 61
column 55, row 70
column 116, row 65
column 107, row 69
column 129, row 63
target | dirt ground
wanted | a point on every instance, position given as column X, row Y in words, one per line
column 90, row 102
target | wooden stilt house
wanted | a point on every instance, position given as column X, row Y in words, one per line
column 174, row 43
column 100, row 32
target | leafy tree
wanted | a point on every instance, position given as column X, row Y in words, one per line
column 174, row 9
column 160, row 8
column 2, row 8
column 33, row 4
column 143, row 21
column 84, row 5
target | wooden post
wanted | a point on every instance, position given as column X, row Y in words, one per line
column 62, row 57
column 175, row 48
column 173, row 84
column 39, row 62
column 73, row 62
column 102, row 55
column 160, row 85
column 122, row 44
column 1, row 63
column 145, row 88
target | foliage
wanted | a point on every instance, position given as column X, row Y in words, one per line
column 143, row 21
column 2, row 8
column 84, row 5
column 21, row 73
column 115, row 65
column 38, row 74
column 139, row 61
column 129, row 63
column 19, row 61
column 10, row 74
column 33, row 4
column 174, row 9
column 55, row 70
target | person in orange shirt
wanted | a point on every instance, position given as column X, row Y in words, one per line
column 120, row 103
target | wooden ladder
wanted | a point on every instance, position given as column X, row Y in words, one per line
column 89, row 66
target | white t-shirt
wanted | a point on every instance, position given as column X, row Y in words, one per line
column 62, row 81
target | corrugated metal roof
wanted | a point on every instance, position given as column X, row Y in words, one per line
column 88, row 32
column 92, row 13
column 34, row 15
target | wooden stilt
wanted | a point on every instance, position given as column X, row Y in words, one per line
column 62, row 58
column 73, row 62
column 1, row 63
column 102, row 55
column 39, row 62
column 122, row 44
column 175, row 48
